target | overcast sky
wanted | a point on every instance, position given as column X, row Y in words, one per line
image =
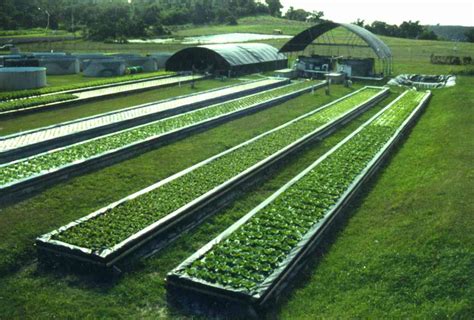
column 454, row 12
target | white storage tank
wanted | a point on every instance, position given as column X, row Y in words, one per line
column 105, row 68
column 60, row 65
column 22, row 78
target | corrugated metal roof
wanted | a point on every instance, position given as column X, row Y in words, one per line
column 303, row 39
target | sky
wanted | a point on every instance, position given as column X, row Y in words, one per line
column 454, row 12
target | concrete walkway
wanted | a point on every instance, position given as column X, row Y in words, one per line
column 40, row 135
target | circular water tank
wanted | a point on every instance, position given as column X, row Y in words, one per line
column 60, row 65
column 22, row 78
column 105, row 68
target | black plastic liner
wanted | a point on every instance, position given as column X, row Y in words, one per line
column 196, row 296
column 164, row 231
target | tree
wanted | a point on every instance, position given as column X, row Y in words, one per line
column 470, row 35
column 297, row 15
column 359, row 22
column 315, row 16
column 411, row 29
column 274, row 7
column 427, row 35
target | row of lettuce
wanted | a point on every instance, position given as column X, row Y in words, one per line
column 55, row 159
column 248, row 257
column 5, row 96
column 36, row 101
column 104, row 231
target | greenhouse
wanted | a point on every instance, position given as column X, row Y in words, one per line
column 344, row 47
column 228, row 59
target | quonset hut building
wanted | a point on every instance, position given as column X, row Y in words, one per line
column 228, row 59
column 342, row 47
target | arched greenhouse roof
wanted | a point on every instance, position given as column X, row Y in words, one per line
column 305, row 38
column 234, row 55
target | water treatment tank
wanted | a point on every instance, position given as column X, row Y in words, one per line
column 22, row 78
column 105, row 68
column 60, row 65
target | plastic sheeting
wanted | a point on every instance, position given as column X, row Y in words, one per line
column 303, row 39
column 423, row 81
column 234, row 55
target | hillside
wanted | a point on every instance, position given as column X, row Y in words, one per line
column 453, row 33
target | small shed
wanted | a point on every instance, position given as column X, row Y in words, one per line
column 225, row 59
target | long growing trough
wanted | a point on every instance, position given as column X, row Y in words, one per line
column 163, row 211
column 27, row 143
column 247, row 267
column 31, row 174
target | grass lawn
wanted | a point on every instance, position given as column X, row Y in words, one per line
column 76, row 111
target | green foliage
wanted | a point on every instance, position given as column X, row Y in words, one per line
column 274, row 7
column 107, row 230
column 115, row 21
column 470, row 35
column 31, row 102
column 46, row 162
column 4, row 96
column 407, row 29
column 256, row 249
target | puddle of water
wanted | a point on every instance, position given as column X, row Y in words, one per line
column 214, row 39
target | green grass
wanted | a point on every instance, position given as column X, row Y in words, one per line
column 259, row 24
column 76, row 111
column 33, row 33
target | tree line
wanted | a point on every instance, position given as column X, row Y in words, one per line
column 116, row 19
column 407, row 29
column 122, row 19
